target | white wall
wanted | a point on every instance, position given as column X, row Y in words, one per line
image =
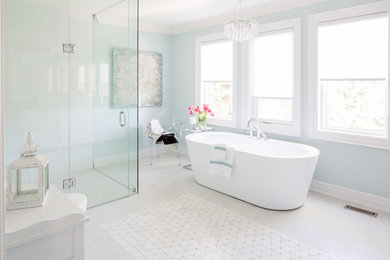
column 162, row 44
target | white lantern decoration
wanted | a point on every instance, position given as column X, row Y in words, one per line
column 27, row 177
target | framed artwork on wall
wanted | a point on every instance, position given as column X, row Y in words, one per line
column 124, row 78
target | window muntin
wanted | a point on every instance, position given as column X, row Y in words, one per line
column 353, row 76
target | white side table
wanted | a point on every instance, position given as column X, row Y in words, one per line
column 207, row 129
column 54, row 231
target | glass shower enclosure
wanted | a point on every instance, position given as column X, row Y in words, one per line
column 71, row 79
column 115, row 103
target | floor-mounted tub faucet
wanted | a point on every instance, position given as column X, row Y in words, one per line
column 259, row 132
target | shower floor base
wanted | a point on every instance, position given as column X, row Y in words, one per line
column 101, row 185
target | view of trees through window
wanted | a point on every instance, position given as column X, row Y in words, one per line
column 219, row 96
column 354, row 105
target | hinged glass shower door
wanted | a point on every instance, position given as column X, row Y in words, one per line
column 115, row 97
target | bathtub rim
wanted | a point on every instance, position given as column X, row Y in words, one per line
column 310, row 150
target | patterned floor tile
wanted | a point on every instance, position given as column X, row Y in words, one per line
column 190, row 227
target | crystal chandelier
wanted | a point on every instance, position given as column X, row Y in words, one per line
column 240, row 29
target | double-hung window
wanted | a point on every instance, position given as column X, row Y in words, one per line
column 273, row 77
column 215, row 77
column 348, row 75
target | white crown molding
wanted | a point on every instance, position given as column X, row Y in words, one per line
column 263, row 9
column 154, row 28
column 369, row 201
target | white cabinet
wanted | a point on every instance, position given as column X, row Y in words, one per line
column 54, row 231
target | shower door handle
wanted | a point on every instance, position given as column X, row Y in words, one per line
column 122, row 119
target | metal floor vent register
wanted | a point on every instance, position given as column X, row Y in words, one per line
column 363, row 211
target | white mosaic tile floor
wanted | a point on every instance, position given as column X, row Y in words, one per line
column 190, row 227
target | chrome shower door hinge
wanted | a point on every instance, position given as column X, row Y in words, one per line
column 69, row 183
column 68, row 48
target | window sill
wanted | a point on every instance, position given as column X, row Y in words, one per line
column 288, row 130
column 221, row 122
column 368, row 141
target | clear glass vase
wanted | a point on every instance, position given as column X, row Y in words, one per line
column 202, row 122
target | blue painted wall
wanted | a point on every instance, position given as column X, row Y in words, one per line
column 356, row 167
column 163, row 44
column 148, row 41
column 109, row 138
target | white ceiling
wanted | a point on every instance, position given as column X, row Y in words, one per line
column 176, row 12
column 175, row 16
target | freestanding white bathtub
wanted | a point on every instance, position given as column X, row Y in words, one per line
column 269, row 173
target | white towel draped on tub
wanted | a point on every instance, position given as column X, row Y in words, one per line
column 221, row 162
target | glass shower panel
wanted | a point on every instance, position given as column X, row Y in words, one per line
column 115, row 107
column 36, row 80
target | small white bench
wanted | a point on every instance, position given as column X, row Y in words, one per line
column 54, row 231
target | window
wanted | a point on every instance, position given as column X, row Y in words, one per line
column 273, row 59
column 349, row 76
column 215, row 77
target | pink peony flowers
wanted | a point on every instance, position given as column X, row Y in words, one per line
column 205, row 111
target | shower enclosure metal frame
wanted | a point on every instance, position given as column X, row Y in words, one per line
column 2, row 244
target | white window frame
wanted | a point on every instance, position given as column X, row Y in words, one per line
column 315, row 20
column 273, row 126
column 198, row 88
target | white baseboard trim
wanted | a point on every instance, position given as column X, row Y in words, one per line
column 162, row 149
column 369, row 201
column 111, row 159
column 122, row 157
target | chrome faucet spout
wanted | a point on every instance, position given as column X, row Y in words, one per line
column 252, row 127
column 259, row 134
